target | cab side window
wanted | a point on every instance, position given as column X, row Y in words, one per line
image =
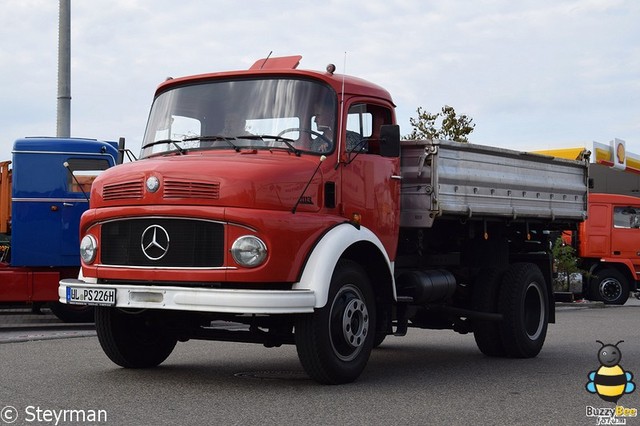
column 626, row 217
column 363, row 125
column 85, row 170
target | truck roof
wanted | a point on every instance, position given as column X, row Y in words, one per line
column 287, row 67
column 613, row 198
column 53, row 144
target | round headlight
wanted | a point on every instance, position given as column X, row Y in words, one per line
column 249, row 251
column 88, row 248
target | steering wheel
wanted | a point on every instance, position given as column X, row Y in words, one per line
column 311, row 132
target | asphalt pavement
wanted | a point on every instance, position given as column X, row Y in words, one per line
column 22, row 323
column 427, row 377
column 19, row 323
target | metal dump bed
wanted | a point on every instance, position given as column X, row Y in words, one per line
column 444, row 178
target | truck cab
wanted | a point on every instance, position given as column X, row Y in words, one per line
column 608, row 244
column 48, row 197
column 234, row 167
column 47, row 190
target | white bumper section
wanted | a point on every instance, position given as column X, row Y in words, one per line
column 201, row 299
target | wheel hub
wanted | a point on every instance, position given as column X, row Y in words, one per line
column 355, row 323
column 349, row 323
column 610, row 289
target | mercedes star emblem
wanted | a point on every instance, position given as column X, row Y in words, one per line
column 155, row 242
column 152, row 184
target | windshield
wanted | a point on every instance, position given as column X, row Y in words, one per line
column 290, row 114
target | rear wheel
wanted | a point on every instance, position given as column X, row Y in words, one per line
column 485, row 299
column 523, row 303
column 334, row 343
column 133, row 339
column 610, row 286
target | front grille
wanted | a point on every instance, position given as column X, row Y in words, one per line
column 184, row 189
column 180, row 243
column 123, row 190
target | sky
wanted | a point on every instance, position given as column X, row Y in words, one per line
column 532, row 74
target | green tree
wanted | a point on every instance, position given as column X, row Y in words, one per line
column 566, row 262
column 441, row 125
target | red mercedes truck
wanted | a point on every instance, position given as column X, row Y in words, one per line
column 284, row 200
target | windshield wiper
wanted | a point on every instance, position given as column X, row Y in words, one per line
column 180, row 149
column 227, row 139
column 276, row 138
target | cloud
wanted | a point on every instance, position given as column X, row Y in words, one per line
column 531, row 73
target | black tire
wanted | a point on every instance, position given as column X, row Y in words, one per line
column 383, row 325
column 523, row 303
column 72, row 313
column 378, row 340
column 133, row 339
column 610, row 286
column 334, row 343
column 485, row 299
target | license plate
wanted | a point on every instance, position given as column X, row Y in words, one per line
column 91, row 296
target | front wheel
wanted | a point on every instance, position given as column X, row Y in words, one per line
column 72, row 313
column 334, row 343
column 610, row 286
column 133, row 339
column 523, row 303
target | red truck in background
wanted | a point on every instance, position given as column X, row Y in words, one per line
column 283, row 199
column 608, row 247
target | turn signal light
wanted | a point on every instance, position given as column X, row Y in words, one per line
column 356, row 219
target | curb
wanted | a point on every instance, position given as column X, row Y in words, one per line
column 48, row 326
column 568, row 298
column 20, row 317
column 581, row 304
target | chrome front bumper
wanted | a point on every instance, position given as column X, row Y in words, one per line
column 201, row 299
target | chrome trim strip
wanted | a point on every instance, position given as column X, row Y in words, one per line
column 101, row 154
column 51, row 200
column 181, row 268
column 176, row 218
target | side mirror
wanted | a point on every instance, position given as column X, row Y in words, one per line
column 121, row 150
column 390, row 140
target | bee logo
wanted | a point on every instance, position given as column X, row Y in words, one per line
column 610, row 381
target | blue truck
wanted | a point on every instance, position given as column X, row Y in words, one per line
column 44, row 190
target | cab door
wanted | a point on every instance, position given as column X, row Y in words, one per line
column 625, row 234
column 80, row 175
column 370, row 182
